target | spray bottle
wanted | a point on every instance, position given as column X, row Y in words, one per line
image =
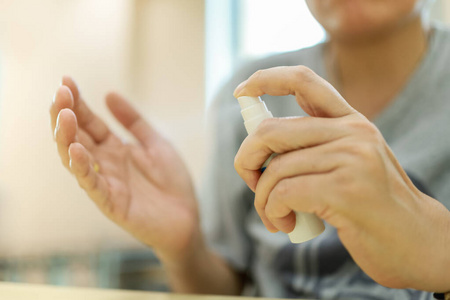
column 254, row 111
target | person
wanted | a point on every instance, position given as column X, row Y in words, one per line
column 388, row 63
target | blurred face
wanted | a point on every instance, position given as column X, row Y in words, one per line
column 356, row 19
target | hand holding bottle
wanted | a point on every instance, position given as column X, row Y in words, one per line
column 337, row 165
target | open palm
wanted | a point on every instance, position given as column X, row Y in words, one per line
column 144, row 187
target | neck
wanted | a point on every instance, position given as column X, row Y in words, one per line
column 370, row 73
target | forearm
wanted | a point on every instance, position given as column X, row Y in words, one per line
column 202, row 272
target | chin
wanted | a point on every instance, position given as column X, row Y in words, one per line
column 358, row 31
column 361, row 19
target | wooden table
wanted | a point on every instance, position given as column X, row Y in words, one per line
column 20, row 291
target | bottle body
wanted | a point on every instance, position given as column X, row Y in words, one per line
column 307, row 226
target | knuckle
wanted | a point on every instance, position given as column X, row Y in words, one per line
column 270, row 209
column 365, row 129
column 345, row 181
column 281, row 190
column 366, row 152
column 349, row 190
column 369, row 129
column 267, row 125
column 361, row 158
column 344, row 189
column 85, row 184
column 270, row 213
column 92, row 183
column 108, row 208
column 239, row 161
column 275, row 166
column 86, row 174
column 86, row 181
column 267, row 128
column 259, row 207
column 304, row 73
column 257, row 75
column 364, row 143
column 82, row 183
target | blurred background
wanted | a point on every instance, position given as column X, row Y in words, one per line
column 160, row 54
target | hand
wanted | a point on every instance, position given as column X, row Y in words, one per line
column 337, row 165
column 144, row 187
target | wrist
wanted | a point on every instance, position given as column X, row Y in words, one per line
column 185, row 256
column 436, row 259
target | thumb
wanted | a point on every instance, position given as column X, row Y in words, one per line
column 315, row 95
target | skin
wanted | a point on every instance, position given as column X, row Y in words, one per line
column 134, row 188
column 146, row 189
column 143, row 187
column 325, row 163
column 355, row 21
column 374, row 46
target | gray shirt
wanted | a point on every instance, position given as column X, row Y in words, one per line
column 416, row 125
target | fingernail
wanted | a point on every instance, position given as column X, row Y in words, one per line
column 70, row 159
column 239, row 88
column 54, row 97
column 56, row 127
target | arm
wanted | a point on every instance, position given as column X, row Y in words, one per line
column 202, row 271
column 337, row 165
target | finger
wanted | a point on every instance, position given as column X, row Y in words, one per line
column 321, row 159
column 65, row 133
column 82, row 166
column 281, row 135
column 131, row 119
column 85, row 139
column 63, row 99
column 269, row 226
column 297, row 194
column 145, row 162
column 315, row 95
column 87, row 120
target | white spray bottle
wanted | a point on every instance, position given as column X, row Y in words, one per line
column 254, row 111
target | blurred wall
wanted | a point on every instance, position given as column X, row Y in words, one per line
column 151, row 51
